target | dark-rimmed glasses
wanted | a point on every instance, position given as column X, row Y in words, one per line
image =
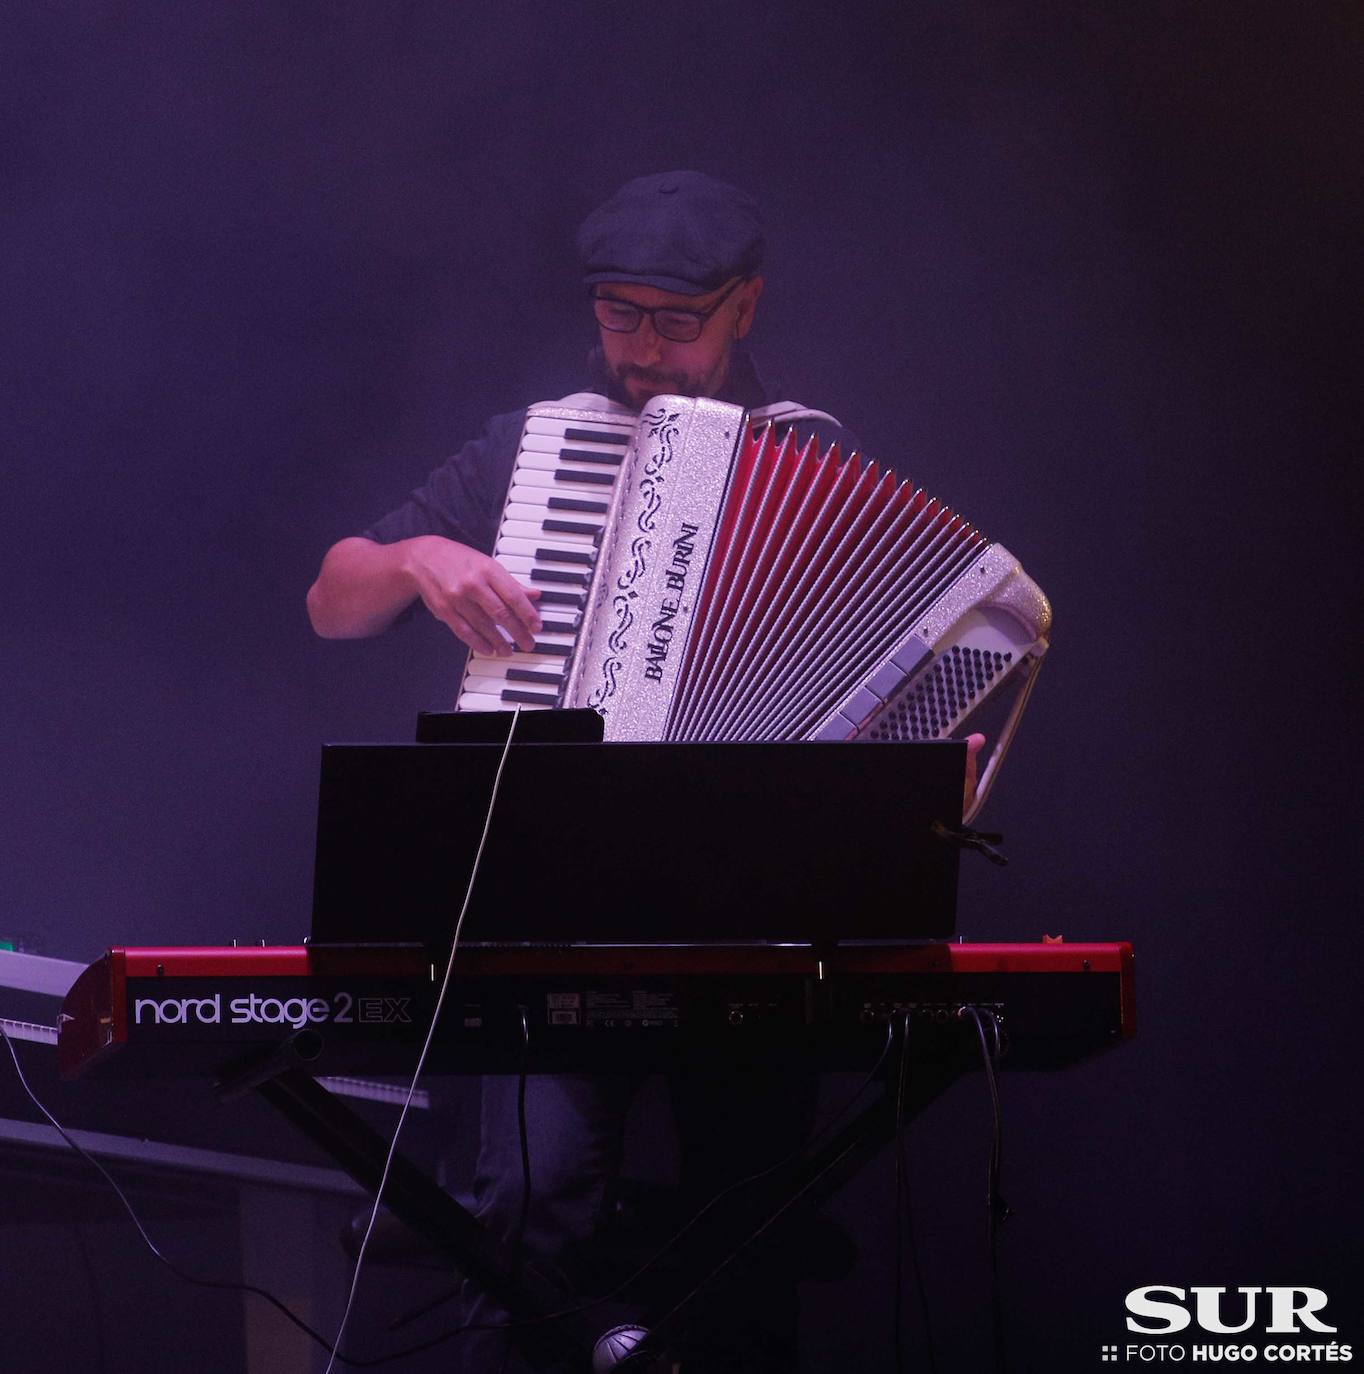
column 678, row 326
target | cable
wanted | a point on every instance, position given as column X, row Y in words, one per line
column 226, row 1285
column 904, row 1222
column 518, row 1236
column 430, row 1036
column 897, row 1314
column 997, row 1210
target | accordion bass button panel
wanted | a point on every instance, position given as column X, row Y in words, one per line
column 972, row 664
column 567, row 467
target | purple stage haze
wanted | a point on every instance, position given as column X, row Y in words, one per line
column 1087, row 271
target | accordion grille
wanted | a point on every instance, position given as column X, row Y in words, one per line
column 942, row 697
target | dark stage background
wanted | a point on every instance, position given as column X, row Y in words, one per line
column 1089, row 271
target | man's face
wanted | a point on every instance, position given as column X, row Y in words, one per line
column 644, row 364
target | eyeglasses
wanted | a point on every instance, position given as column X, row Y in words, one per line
column 679, row 326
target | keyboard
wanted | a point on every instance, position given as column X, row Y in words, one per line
column 586, row 1008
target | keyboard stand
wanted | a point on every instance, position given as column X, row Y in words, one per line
column 425, row 1208
column 717, row 1239
column 755, row 1214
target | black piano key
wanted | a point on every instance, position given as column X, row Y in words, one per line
column 561, row 599
column 600, row 479
column 559, row 627
column 530, row 675
column 530, row 698
column 566, row 578
column 595, row 436
column 569, row 527
column 566, row 556
column 571, row 503
column 552, row 650
column 587, row 455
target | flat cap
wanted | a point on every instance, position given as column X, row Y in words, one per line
column 679, row 231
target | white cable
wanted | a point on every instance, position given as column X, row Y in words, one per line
column 430, row 1035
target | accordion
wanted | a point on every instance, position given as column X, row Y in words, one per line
column 704, row 575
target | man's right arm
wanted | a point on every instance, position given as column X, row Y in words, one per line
column 363, row 586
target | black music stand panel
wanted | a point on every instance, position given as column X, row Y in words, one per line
column 638, row 842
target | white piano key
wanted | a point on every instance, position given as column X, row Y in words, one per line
column 491, row 686
column 539, row 477
column 537, row 661
column 544, row 547
column 542, row 462
column 521, row 567
column 608, row 424
column 543, row 637
column 534, row 532
column 524, row 513
column 542, row 494
column 482, row 701
column 551, row 443
column 487, row 669
column 494, row 668
column 549, row 636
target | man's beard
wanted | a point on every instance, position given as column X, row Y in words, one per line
column 637, row 386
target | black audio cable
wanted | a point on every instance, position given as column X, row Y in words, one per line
column 519, row 1235
column 223, row 1285
column 430, row 1034
column 904, row 1222
column 997, row 1210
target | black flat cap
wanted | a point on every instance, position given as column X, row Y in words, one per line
column 678, row 231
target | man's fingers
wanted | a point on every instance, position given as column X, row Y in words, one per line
column 516, row 600
column 484, row 602
column 477, row 631
column 462, row 630
column 474, row 595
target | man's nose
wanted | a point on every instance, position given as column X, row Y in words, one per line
column 648, row 348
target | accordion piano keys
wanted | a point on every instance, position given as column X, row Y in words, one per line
column 565, row 471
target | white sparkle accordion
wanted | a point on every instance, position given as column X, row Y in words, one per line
column 703, row 579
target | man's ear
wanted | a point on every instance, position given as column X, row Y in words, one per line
column 747, row 296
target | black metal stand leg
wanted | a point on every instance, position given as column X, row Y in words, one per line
column 433, row 1214
column 754, row 1214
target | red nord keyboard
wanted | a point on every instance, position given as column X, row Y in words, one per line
column 168, row 1011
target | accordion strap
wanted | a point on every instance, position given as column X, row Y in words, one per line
column 788, row 412
column 779, row 412
column 590, row 400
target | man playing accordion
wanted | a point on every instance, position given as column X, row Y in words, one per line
column 672, row 264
